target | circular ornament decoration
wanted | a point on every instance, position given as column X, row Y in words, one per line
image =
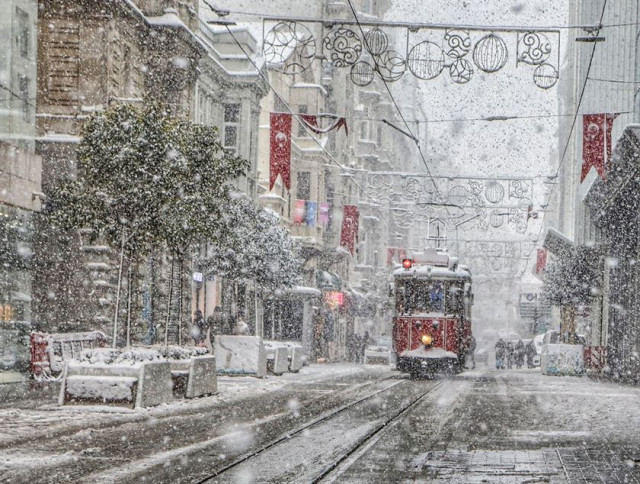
column 458, row 43
column 461, row 71
column 426, row 60
column 343, row 45
column 545, row 76
column 390, row 65
column 291, row 45
column 458, row 195
column 534, row 48
column 490, row 53
column 496, row 219
column 376, row 41
column 494, row 192
column 362, row 73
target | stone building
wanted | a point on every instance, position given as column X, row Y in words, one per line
column 335, row 281
column 20, row 172
column 592, row 215
column 92, row 54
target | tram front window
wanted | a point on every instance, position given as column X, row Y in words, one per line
column 416, row 296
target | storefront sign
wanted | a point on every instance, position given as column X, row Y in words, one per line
column 334, row 299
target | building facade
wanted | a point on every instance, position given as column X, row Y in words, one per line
column 20, row 175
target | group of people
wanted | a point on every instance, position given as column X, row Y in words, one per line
column 218, row 323
column 509, row 354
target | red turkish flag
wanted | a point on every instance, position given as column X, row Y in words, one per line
column 541, row 260
column 280, row 150
column 596, row 143
column 349, row 232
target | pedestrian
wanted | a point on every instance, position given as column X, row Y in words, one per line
column 217, row 322
column 530, row 351
column 364, row 342
column 199, row 328
column 510, row 354
column 329, row 336
column 500, row 354
column 472, row 352
column 241, row 327
column 519, row 354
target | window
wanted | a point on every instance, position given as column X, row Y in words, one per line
column 24, row 97
column 231, row 126
column 23, row 33
column 419, row 296
column 364, row 131
column 303, row 187
column 302, row 109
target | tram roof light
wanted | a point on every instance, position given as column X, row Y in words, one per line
column 407, row 263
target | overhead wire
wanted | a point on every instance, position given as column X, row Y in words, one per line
column 438, row 26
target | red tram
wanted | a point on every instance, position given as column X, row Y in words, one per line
column 432, row 323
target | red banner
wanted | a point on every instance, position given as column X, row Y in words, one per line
column 541, row 260
column 596, row 143
column 280, row 155
column 349, row 233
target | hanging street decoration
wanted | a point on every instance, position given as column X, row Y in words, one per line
column 311, row 122
column 349, row 231
column 290, row 46
column 492, row 202
column 596, row 143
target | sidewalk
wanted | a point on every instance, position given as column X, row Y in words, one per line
column 24, row 421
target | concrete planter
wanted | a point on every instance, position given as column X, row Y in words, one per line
column 562, row 359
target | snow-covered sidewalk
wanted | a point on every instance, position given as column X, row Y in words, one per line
column 18, row 424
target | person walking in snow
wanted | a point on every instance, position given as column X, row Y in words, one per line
column 519, row 354
column 199, row 329
column 510, row 354
column 530, row 351
column 500, row 354
column 241, row 327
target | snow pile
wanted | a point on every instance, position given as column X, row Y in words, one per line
column 137, row 356
column 105, row 388
column 431, row 353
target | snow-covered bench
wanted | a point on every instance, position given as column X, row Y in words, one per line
column 377, row 355
column 142, row 385
column 139, row 376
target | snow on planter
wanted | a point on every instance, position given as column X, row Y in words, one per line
column 559, row 359
column 137, row 375
column 240, row 355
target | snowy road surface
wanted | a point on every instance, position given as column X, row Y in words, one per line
column 341, row 423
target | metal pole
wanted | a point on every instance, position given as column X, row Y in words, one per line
column 115, row 315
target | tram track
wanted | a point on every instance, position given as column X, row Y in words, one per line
column 362, row 442
column 334, row 470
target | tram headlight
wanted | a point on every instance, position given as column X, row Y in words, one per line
column 426, row 339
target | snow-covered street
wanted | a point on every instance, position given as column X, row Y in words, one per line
column 342, row 423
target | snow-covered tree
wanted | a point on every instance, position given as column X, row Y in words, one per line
column 148, row 179
column 571, row 281
column 254, row 247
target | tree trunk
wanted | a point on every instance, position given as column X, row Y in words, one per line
column 115, row 315
column 180, row 305
column 568, row 324
column 166, row 328
column 129, row 291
